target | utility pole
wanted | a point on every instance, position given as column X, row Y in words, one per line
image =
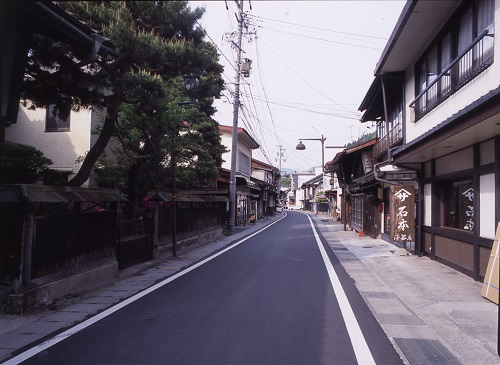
column 236, row 106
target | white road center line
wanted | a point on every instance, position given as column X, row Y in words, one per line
column 361, row 350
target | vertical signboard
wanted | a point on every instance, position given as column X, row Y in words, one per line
column 403, row 213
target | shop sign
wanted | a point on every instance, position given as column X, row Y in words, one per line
column 468, row 209
column 403, row 222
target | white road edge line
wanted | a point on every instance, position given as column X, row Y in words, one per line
column 79, row 327
column 361, row 349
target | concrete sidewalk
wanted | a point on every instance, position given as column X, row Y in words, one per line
column 431, row 313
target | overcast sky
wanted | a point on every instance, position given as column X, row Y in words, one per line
column 312, row 64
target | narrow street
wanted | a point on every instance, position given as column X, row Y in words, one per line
column 268, row 300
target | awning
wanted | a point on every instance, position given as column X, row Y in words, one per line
column 373, row 103
column 17, row 193
column 179, row 197
column 246, row 181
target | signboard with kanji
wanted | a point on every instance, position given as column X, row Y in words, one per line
column 403, row 213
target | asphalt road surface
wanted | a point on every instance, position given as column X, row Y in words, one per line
column 279, row 297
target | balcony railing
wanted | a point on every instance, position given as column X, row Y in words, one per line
column 471, row 62
column 394, row 137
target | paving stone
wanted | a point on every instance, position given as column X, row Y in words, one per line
column 101, row 300
column 41, row 327
column 392, row 306
column 84, row 308
column 65, row 317
column 14, row 341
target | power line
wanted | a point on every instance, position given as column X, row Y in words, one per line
column 307, row 82
column 258, row 122
column 311, row 27
column 322, row 39
column 216, row 46
column 264, row 90
column 311, row 111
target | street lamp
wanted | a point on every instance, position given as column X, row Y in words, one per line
column 301, row 146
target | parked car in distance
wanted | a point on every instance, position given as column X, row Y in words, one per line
column 279, row 208
column 293, row 207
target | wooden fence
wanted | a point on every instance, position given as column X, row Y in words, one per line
column 192, row 219
column 11, row 233
column 135, row 241
column 69, row 240
column 65, row 241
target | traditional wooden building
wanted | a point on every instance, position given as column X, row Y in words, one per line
column 435, row 100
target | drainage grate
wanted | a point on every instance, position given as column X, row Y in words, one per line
column 426, row 352
column 339, row 248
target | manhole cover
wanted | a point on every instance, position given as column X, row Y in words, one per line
column 339, row 248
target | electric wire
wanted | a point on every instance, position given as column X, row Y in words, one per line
column 322, row 39
column 311, row 27
column 251, row 120
column 307, row 82
column 264, row 89
column 310, row 111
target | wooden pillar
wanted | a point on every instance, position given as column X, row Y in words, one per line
column 26, row 249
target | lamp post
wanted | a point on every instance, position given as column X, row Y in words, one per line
column 301, row 146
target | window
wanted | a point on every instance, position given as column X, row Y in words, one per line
column 445, row 82
column 381, row 129
column 357, row 212
column 458, row 54
column 457, row 199
column 392, row 133
column 243, row 163
column 54, row 123
column 396, row 124
column 485, row 16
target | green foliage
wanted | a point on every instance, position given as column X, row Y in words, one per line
column 363, row 139
column 321, row 200
column 286, row 182
column 22, row 164
column 54, row 177
column 158, row 43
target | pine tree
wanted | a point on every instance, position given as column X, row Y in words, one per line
column 141, row 91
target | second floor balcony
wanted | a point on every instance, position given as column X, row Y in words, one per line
column 470, row 63
column 392, row 139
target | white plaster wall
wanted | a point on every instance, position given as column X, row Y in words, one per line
column 487, row 206
column 303, row 178
column 62, row 148
column 479, row 86
column 227, row 141
column 299, row 193
column 427, row 204
column 458, row 161
column 260, row 174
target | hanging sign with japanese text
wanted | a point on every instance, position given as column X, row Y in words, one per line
column 403, row 213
